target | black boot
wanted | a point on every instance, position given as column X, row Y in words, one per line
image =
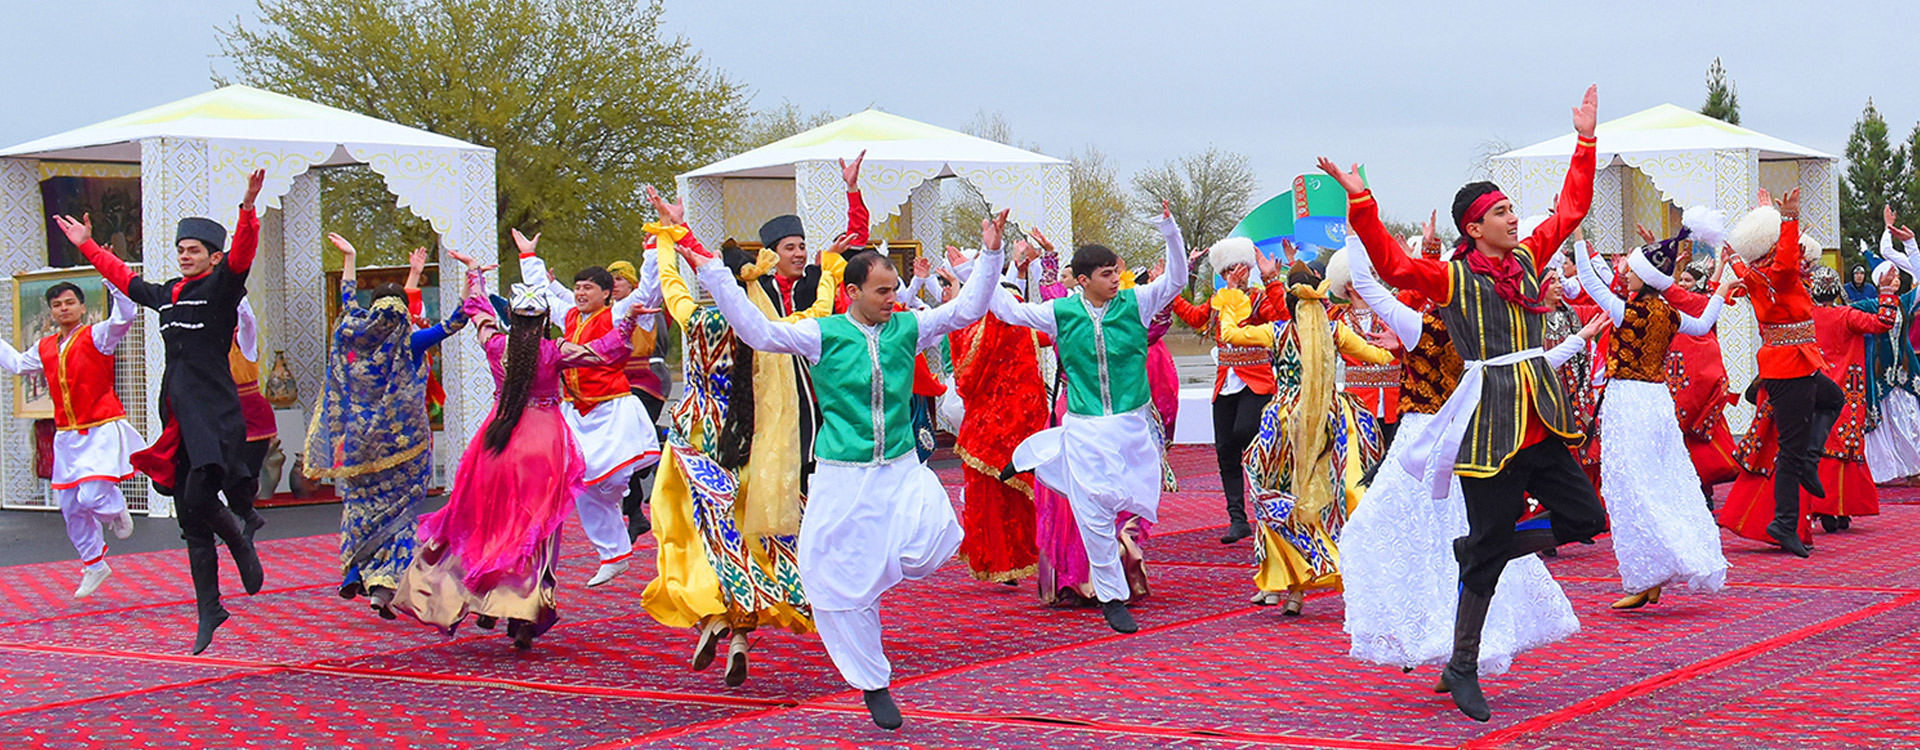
column 1823, row 420
column 1788, row 538
column 880, row 707
column 240, row 499
column 203, row 561
column 1237, row 528
column 1462, row 674
column 1118, row 617
column 240, row 546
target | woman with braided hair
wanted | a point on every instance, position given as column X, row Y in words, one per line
column 728, row 501
column 492, row 551
column 1314, row 444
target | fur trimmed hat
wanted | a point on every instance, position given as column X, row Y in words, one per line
column 1231, row 252
column 1755, row 234
column 1340, row 269
column 779, row 228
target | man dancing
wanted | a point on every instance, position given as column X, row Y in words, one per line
column 607, row 420
column 92, row 438
column 1105, row 456
column 877, row 515
column 1489, row 296
column 199, row 453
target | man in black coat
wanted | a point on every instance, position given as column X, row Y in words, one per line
column 199, row 452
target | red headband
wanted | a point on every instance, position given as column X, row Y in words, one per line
column 1480, row 207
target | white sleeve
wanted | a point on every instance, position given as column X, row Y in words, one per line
column 912, row 298
column 1692, row 326
column 751, row 325
column 1155, row 296
column 963, row 270
column 1565, row 350
column 1597, row 289
column 649, row 289
column 107, row 336
column 1035, row 315
column 1902, row 259
column 971, row 304
column 1405, row 322
column 17, row 362
column 247, row 334
column 533, row 270
column 1602, row 270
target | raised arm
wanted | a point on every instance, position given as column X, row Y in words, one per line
column 1155, row 296
column 1405, row 322
column 115, row 271
column 1598, row 290
column 533, row 270
column 17, row 362
column 976, row 294
column 749, row 323
column 1238, row 333
column 1431, row 278
column 107, row 336
column 1576, row 193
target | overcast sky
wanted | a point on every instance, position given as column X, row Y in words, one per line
column 1411, row 88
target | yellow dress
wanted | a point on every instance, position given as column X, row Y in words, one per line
column 728, row 539
column 1311, row 430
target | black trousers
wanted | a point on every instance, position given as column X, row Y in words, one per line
column 1547, row 471
column 241, row 496
column 640, row 484
column 1236, row 422
column 1794, row 401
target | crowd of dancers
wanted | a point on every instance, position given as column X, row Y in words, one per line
column 1414, row 425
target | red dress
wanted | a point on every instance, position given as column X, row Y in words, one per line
column 996, row 368
column 1840, row 332
column 1697, row 378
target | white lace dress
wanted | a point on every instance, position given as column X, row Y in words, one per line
column 1662, row 534
column 1402, row 582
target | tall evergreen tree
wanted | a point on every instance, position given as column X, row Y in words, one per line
column 1723, row 96
column 1876, row 176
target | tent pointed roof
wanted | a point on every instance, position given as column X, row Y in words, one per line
column 885, row 137
column 1667, row 127
column 232, row 113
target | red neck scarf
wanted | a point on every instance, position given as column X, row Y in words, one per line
column 786, row 289
column 1508, row 278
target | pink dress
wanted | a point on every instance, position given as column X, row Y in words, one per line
column 492, row 550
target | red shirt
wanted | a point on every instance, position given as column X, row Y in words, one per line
column 1780, row 297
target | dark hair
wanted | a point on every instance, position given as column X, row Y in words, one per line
column 1463, row 200
column 1301, row 273
column 599, row 276
column 1090, row 258
column 386, row 290
column 62, row 288
column 521, row 362
column 736, row 430
column 861, row 264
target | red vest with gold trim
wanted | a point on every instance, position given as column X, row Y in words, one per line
column 80, row 382
column 587, row 386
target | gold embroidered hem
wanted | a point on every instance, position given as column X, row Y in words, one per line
column 1001, row 576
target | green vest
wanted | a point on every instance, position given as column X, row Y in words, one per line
column 864, row 385
column 1105, row 358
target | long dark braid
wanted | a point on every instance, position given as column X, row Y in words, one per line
column 736, row 433
column 522, row 359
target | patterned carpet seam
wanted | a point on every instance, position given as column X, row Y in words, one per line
column 1656, row 682
column 58, row 705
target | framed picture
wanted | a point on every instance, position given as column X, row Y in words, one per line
column 33, row 321
column 365, row 281
column 112, row 202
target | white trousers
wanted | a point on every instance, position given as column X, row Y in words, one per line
column 852, row 638
column 87, row 508
column 1104, row 466
column 599, row 509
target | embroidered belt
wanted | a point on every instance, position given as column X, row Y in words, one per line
column 551, row 401
column 1790, row 334
column 1373, row 376
column 1245, row 356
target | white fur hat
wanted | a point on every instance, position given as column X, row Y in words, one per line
column 1231, row 252
column 1810, row 248
column 1755, row 234
column 1707, row 227
column 1340, row 268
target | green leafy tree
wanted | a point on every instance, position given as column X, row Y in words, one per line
column 1877, row 176
column 584, row 101
column 1208, row 193
column 1723, row 97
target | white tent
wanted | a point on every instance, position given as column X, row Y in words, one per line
column 905, row 159
column 1655, row 163
column 192, row 158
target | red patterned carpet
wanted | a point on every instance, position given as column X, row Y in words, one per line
column 1795, row 653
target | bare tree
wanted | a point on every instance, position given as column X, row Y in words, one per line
column 1483, row 157
column 787, row 120
column 1208, row 193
